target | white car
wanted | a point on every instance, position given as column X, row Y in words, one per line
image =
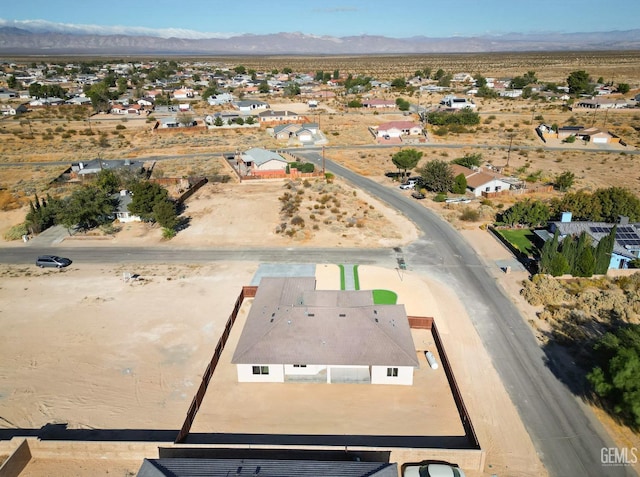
column 410, row 184
column 433, row 470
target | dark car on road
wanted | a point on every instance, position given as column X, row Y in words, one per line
column 418, row 195
column 52, row 261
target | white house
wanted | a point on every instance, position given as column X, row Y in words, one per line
column 270, row 116
column 248, row 106
column 454, row 102
column 257, row 161
column 399, row 128
column 294, row 332
column 479, row 181
column 122, row 212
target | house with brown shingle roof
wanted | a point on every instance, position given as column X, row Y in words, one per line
column 294, row 332
column 483, row 181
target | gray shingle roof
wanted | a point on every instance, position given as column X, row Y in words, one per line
column 260, row 156
column 181, row 467
column 290, row 322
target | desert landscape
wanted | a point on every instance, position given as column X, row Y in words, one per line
column 115, row 354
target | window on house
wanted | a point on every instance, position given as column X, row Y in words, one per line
column 260, row 369
column 392, row 372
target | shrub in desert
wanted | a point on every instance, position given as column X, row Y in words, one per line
column 542, row 289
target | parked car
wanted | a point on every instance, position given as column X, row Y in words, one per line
column 417, row 195
column 409, row 184
column 433, row 470
column 52, row 261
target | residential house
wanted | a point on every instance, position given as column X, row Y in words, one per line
column 248, row 106
column 222, row 98
column 627, row 239
column 484, row 182
column 184, row 93
column 463, row 78
column 378, row 103
column 79, row 100
column 8, row 110
column 7, row 94
column 146, row 102
column 94, row 166
column 261, row 162
column 271, row 116
column 602, row 103
column 592, row 134
column 305, row 133
column 453, row 102
column 225, row 116
column 295, row 332
column 395, row 129
column 128, row 109
column 122, row 210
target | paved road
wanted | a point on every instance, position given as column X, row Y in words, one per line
column 566, row 435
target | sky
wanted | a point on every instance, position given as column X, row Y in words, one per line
column 222, row 19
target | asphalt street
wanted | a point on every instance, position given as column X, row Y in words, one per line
column 565, row 433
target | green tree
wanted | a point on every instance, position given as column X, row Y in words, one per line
column 526, row 212
column 486, row 92
column 403, row 104
column 558, row 266
column 319, row 75
column 470, row 160
column 336, row 74
column 480, row 80
column 581, row 204
column 146, row 195
column 218, row 121
column 86, row 208
column 263, row 87
column 578, row 82
column 437, row 176
column 585, row 261
column 406, row 159
column 459, row 184
column 616, row 374
column 617, row 201
column 249, row 120
column 165, row 214
column 623, row 88
column 354, row 103
column 241, row 70
column 445, row 81
column 603, row 252
column 398, row 83
column 12, row 82
column 287, row 70
column 439, row 74
column 564, row 181
column 292, row 89
column 547, row 252
column 122, row 85
column 108, row 181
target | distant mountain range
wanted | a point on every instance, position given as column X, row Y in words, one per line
column 15, row 41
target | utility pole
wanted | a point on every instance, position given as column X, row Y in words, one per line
column 323, row 163
column 509, row 150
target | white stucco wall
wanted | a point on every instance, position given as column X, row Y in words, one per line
column 272, row 165
column 245, row 374
column 492, row 187
column 309, row 370
column 379, row 375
